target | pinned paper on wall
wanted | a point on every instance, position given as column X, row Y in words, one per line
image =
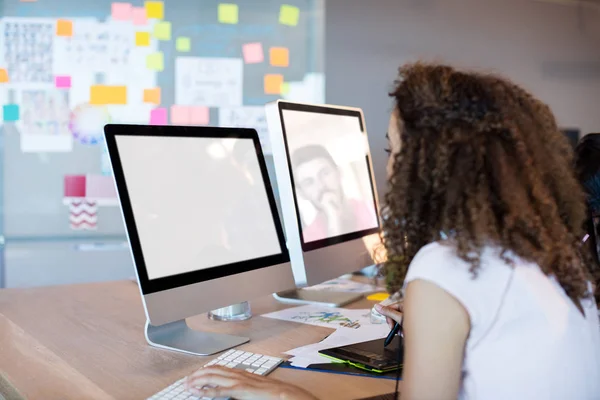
column 162, row 30
column 253, row 53
column 121, row 11
column 62, row 82
column 247, row 117
column 154, row 9
column 279, row 56
column 142, row 39
column 289, row 15
column 43, row 143
column 31, row 40
column 83, row 215
column 10, row 112
column 158, row 116
column 105, row 94
column 183, row 44
column 273, row 83
column 155, row 61
column 210, row 82
column 3, row 75
column 138, row 15
column 87, row 122
column 152, row 95
column 64, row 28
column 228, row 13
column 180, row 115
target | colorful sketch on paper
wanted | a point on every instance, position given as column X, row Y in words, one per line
column 45, row 112
column 87, row 123
column 333, row 318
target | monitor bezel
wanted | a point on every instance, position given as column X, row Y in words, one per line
column 324, row 109
column 147, row 285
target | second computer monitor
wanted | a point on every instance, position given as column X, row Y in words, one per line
column 326, row 187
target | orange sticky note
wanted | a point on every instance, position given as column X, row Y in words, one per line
column 3, row 75
column 152, row 95
column 279, row 56
column 104, row 94
column 64, row 27
column 273, row 83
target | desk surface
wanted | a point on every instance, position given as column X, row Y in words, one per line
column 87, row 342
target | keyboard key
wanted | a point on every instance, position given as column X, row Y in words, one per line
column 231, row 365
column 249, row 370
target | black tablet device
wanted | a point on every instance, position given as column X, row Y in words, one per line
column 370, row 356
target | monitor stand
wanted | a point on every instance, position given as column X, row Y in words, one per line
column 317, row 297
column 178, row 336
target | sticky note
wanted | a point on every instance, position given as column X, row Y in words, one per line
column 279, row 56
column 180, row 115
column 62, row 82
column 142, row 38
column 74, row 186
column 104, row 94
column 228, row 13
column 273, row 83
column 100, row 187
column 11, row 112
column 154, row 9
column 289, row 15
column 253, row 53
column 183, row 44
column 138, row 14
column 155, row 61
column 152, row 95
column 162, row 30
column 285, row 88
column 158, row 116
column 64, row 27
column 3, row 75
column 199, row 115
column 378, row 296
column 121, row 11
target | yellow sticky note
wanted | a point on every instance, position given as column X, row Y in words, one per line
column 152, row 95
column 273, row 83
column 64, row 28
column 162, row 30
column 183, row 44
column 378, row 296
column 289, row 15
column 279, row 56
column 155, row 9
column 104, row 94
column 228, row 13
column 142, row 38
column 3, row 75
column 155, row 61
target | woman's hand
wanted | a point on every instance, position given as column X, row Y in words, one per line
column 226, row 382
column 392, row 313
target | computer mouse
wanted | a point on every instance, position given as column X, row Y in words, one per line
column 376, row 317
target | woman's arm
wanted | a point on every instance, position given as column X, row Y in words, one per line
column 436, row 327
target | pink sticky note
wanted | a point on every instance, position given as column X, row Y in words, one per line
column 253, row 53
column 62, row 82
column 138, row 14
column 100, row 187
column 180, row 115
column 158, row 116
column 121, row 11
column 199, row 115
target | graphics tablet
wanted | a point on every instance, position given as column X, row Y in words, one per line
column 370, row 356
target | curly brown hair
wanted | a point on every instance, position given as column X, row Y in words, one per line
column 483, row 162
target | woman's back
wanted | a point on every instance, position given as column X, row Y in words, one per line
column 527, row 340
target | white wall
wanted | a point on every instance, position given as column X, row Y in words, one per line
column 366, row 41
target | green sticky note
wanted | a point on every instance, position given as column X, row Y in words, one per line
column 162, row 30
column 155, row 61
column 183, row 44
column 228, row 13
column 289, row 15
column 285, row 88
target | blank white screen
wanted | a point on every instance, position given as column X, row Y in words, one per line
column 195, row 205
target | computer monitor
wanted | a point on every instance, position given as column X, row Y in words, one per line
column 325, row 180
column 202, row 224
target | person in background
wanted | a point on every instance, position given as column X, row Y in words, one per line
column 484, row 208
column 318, row 179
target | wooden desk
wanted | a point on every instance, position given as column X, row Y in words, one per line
column 87, row 342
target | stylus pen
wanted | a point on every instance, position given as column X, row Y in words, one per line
column 392, row 334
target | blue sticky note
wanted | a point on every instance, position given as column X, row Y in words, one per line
column 11, row 112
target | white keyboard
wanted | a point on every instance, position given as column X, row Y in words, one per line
column 237, row 359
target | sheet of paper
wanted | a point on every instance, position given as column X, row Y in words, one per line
column 42, row 143
column 344, row 285
column 279, row 56
column 289, row 15
column 155, row 9
column 228, row 13
column 324, row 316
column 183, row 44
column 162, row 30
column 253, row 53
column 210, row 82
column 247, row 117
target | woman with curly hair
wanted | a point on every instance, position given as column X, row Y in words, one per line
column 483, row 228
